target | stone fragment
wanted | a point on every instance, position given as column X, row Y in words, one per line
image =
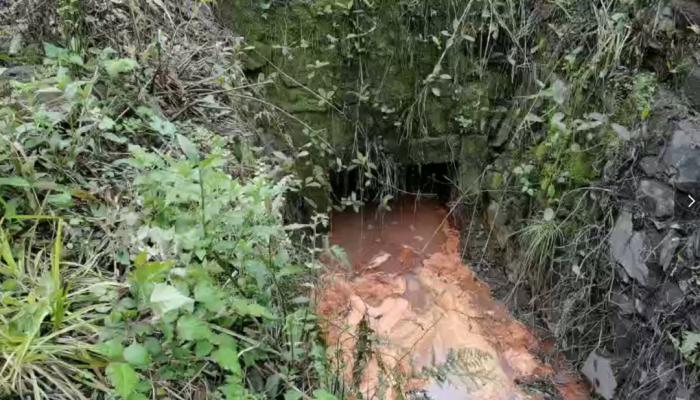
column 670, row 296
column 47, row 95
column 691, row 88
column 650, row 165
column 682, row 155
column 693, row 248
column 657, row 198
column 598, row 370
column 496, row 217
column 688, row 11
column 471, row 163
column 21, row 73
column 504, row 130
column 624, row 302
column 378, row 260
column 628, row 248
column 667, row 249
column 432, row 150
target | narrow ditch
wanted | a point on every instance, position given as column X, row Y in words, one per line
column 406, row 317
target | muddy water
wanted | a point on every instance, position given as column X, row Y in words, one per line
column 409, row 320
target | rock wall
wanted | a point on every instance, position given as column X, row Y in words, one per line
column 365, row 77
column 655, row 250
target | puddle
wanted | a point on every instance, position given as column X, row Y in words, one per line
column 411, row 321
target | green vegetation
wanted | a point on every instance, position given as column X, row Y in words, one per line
column 164, row 185
column 542, row 98
column 173, row 281
column 143, row 256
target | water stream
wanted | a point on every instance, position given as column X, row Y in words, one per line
column 407, row 319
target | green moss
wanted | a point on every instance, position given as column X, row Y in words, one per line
column 387, row 61
column 494, row 181
column 581, row 168
column 474, row 147
column 297, row 100
column 540, row 151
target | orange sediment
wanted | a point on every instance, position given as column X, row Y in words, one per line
column 424, row 322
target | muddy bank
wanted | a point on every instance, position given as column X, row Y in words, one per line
column 408, row 318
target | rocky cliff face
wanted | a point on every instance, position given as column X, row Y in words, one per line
column 655, row 250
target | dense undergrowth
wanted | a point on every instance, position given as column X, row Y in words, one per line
column 143, row 245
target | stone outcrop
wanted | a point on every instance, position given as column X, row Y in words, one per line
column 656, row 242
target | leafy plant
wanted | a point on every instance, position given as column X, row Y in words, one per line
column 688, row 346
column 166, row 274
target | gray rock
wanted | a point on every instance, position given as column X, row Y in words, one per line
column 625, row 304
column 441, row 149
column 504, row 130
column 625, row 333
column 667, row 249
column 688, row 10
column 628, row 248
column 16, row 44
column 598, row 370
column 694, row 244
column 47, row 95
column 683, row 393
column 691, row 88
column 472, row 161
column 671, row 296
column 21, row 73
column 682, row 155
column 656, row 198
column 650, row 165
column 496, row 218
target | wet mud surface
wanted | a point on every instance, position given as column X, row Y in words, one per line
column 407, row 319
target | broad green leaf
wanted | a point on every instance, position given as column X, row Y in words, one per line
column 153, row 346
column 166, row 298
column 150, row 272
column 63, row 199
column 292, row 394
column 246, row 307
column 188, row 148
column 165, row 128
column 14, row 181
column 54, row 52
column 191, row 328
column 119, row 66
column 123, row 378
column 224, row 341
column 322, row 394
column 114, row 138
column 227, row 358
column 209, row 295
column 111, row 349
column 203, row 348
column 233, row 391
column 106, row 123
column 137, row 355
column 691, row 340
column 75, row 59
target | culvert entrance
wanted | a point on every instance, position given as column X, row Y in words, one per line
column 432, row 181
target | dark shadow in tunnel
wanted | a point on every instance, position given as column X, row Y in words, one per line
column 436, row 180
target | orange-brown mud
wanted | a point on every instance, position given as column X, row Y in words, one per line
column 410, row 319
